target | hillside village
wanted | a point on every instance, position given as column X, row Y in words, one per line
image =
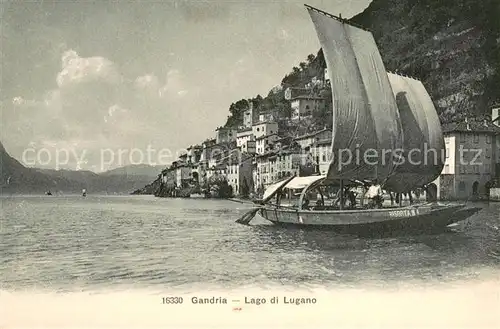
column 260, row 145
column 452, row 47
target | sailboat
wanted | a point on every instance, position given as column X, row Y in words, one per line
column 373, row 111
column 84, row 192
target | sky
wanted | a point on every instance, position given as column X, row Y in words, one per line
column 93, row 85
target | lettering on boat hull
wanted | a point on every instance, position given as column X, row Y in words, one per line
column 404, row 213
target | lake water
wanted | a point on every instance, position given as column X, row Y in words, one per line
column 74, row 243
column 140, row 246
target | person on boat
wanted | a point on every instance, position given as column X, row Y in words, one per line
column 305, row 203
column 410, row 197
column 417, row 194
column 351, row 195
column 279, row 195
column 374, row 194
column 339, row 198
column 392, row 198
column 319, row 200
column 364, row 189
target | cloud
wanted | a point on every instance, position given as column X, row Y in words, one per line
column 21, row 102
column 148, row 81
column 114, row 113
column 174, row 85
column 76, row 69
column 96, row 107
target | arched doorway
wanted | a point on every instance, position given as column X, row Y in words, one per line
column 475, row 189
column 196, row 177
column 431, row 192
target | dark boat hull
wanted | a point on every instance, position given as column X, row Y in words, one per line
column 421, row 218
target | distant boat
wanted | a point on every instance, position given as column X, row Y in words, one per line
column 372, row 110
column 84, row 192
column 48, row 193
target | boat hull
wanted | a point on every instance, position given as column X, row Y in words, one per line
column 424, row 217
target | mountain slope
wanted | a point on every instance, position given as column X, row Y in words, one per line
column 452, row 46
column 135, row 170
column 16, row 178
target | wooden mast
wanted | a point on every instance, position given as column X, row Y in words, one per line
column 341, row 194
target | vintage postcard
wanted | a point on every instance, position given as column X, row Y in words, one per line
column 241, row 164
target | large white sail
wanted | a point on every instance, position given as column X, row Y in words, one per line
column 365, row 116
column 423, row 138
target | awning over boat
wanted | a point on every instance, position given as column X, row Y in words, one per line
column 273, row 188
column 294, row 183
column 303, row 182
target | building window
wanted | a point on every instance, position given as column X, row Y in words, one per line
column 487, row 169
column 462, row 169
column 461, row 186
column 447, row 153
column 488, row 153
column 476, row 169
column 462, row 138
column 488, row 139
column 447, row 140
column 476, row 138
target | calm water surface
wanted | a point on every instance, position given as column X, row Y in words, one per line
column 75, row 243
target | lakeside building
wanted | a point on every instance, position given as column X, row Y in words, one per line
column 179, row 174
column 321, row 151
column 243, row 136
column 219, row 153
column 307, row 140
column 264, row 128
column 183, row 174
column 263, row 143
column 472, row 158
column 216, row 170
column 194, row 153
column 273, row 166
column 292, row 92
column 249, row 147
column 169, row 178
column 304, row 106
column 225, row 135
column 249, row 115
column 266, row 116
column 239, row 175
